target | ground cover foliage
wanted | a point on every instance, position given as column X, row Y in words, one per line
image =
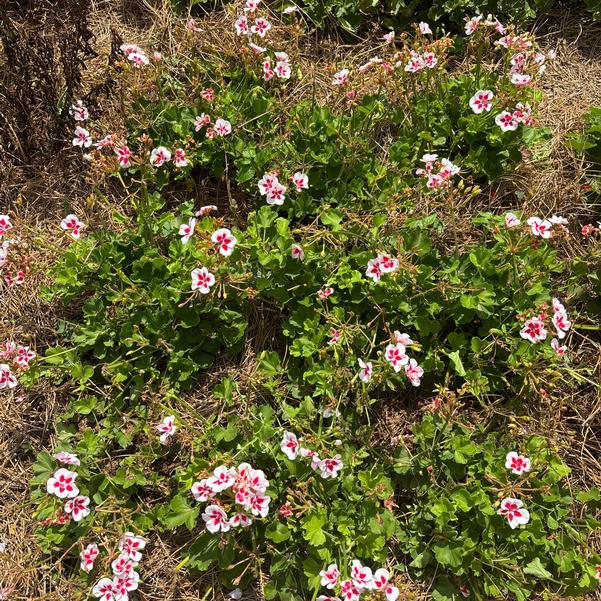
column 298, row 248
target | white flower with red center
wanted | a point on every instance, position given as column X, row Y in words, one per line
column 403, row 338
column 465, row 592
column 129, row 48
column 78, row 111
column 202, row 280
column 266, row 183
column 23, row 357
column 7, row 379
column 123, row 564
column 73, row 226
column 329, row 576
column 268, row 72
column 179, row 158
column 329, row 468
column 241, row 25
column 540, row 227
column 366, row 370
column 558, row 347
column 210, row 133
column 349, row 591
column 430, row 60
column 257, row 481
column 132, row 545
column 17, row 280
column 106, row 590
column 506, row 121
column 261, row 27
column 221, row 479
column 259, row 504
column 481, row 101
column 8, row 350
column 380, row 579
column 534, row 330
column 82, row 138
column 5, row 224
column 396, row 356
column 138, row 59
column 391, row 592
column 326, row 292
column 361, row 575
column 251, row 5
column 126, row 582
column 341, row 77
column 472, row 24
column 416, row 63
column 78, row 507
column 186, row 230
column 290, row 9
column 240, row 519
column 62, row 484
column 200, row 121
column 300, row 180
column 560, row 319
column 520, row 79
column 67, row 458
column 598, row 572
column 277, row 194
column 523, row 114
column 290, row 446
column 513, row 510
column 167, row 428
column 448, row 169
column 424, row 28
column 159, row 156
column 518, row 464
column 208, row 94
column 414, row 372
column 283, row 70
column 388, row 264
column 511, row 220
column 88, row 557
column 123, row 156
column 222, row 127
column 435, row 181
column 256, row 48
column 202, row 491
column 216, row 519
column 205, row 210
column 373, row 270
column 389, row 37
column 334, row 336
column 106, row 141
column 226, row 241
column 296, row 252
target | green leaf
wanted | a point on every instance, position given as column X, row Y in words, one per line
column 448, row 555
column 457, row 363
column 181, row 513
column 536, row 568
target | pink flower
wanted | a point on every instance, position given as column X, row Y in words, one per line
column 205, row 210
column 430, row 60
column 23, row 357
column 261, row 27
column 73, row 226
column 251, row 5
column 256, row 49
column 520, row 79
column 241, row 25
column 123, row 564
column 106, row 590
column 290, row 446
column 481, row 101
column 88, row 556
column 403, row 338
column 472, row 24
column 301, row 181
column 202, row 491
column 540, row 227
column 506, row 121
column 416, row 63
column 324, row 293
column 200, row 121
column 518, row 464
column 106, row 141
column 268, row 72
column 389, row 37
column 424, row 28
column 296, row 252
column 361, row 575
column 560, row 319
column 186, row 230
column 78, row 111
column 62, row 484
column 341, row 77
column 588, row 229
column 67, row 458
column 414, row 372
column 285, row 511
column 290, row 9
column 365, row 372
column 159, row 156
column 465, row 592
column 534, row 330
column 221, row 479
column 513, row 510
column 283, row 70
column 511, row 220
column 82, row 138
column 226, row 240
column 132, row 545
column 560, row 350
column 191, row 25
column 179, row 158
column 395, row 355
column 329, row 576
column 202, row 280
column 78, row 507
column 167, row 428
column 123, row 155
column 7, row 379
column 208, row 94
column 157, row 57
column 16, row 281
column 335, row 336
column 223, row 127
column 329, row 468
column 5, row 224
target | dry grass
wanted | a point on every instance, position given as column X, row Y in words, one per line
column 41, row 195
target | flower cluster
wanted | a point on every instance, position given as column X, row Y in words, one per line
column 19, row 356
column 534, row 328
column 125, row 578
column 272, row 189
column 443, row 177
column 242, row 489
column 380, row 265
column 361, row 580
column 73, row 226
column 134, row 54
column 281, row 69
column 417, row 61
column 509, row 121
column 12, row 278
column 327, row 468
column 62, row 485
